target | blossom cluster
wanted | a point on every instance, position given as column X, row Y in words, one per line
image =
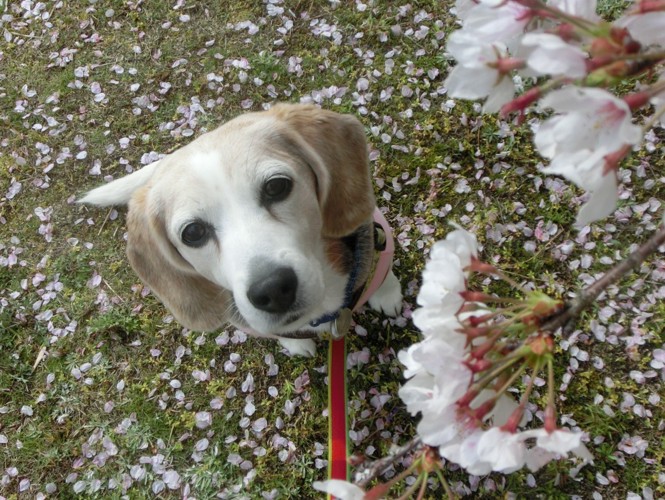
column 471, row 354
column 574, row 58
column 477, row 351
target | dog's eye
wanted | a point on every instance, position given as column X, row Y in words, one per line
column 196, row 234
column 277, row 189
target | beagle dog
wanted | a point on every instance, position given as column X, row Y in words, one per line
column 264, row 223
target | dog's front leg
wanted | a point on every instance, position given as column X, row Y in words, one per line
column 299, row 347
column 388, row 298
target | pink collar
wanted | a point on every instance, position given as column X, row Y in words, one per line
column 384, row 263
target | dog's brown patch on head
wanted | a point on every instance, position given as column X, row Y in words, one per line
column 334, row 147
column 339, row 255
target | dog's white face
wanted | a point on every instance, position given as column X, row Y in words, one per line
column 248, row 220
column 243, row 225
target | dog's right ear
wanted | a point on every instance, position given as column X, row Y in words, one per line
column 120, row 191
column 195, row 302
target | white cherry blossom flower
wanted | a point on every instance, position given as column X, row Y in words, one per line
column 479, row 72
column 645, row 28
column 417, row 392
column 483, row 451
column 340, row 489
column 550, row 55
column 586, row 9
column 589, row 125
column 552, row 445
column 562, row 442
column 461, row 243
column 444, row 276
column 464, row 452
column 439, row 428
column 463, row 7
column 505, row 451
column 435, row 366
column 586, row 118
column 497, row 21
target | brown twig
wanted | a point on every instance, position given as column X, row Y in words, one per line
column 589, row 295
column 374, row 469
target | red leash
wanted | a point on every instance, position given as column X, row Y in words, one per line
column 338, row 467
column 338, row 446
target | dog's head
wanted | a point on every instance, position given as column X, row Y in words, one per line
column 242, row 224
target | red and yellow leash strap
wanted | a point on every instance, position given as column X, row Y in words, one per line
column 338, row 435
column 338, row 466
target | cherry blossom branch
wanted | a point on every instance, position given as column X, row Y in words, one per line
column 642, row 56
column 374, row 469
column 589, row 295
column 655, row 118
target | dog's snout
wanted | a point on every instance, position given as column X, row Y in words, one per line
column 275, row 291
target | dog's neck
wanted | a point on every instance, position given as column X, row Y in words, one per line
column 360, row 245
column 353, row 255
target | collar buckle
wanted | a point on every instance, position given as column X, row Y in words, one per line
column 342, row 323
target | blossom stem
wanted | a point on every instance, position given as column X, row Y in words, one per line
column 521, row 102
column 510, row 381
column 421, row 481
column 590, row 294
column 550, row 411
column 537, row 366
column 506, row 363
column 470, row 295
column 402, row 474
column 516, row 417
column 490, row 270
column 648, row 56
column 376, row 468
column 653, row 119
column 479, row 413
column 487, row 346
column 446, row 486
column 423, row 487
column 476, row 321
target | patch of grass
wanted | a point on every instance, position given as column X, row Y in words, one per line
column 122, row 388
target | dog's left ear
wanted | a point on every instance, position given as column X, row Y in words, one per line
column 339, row 161
column 120, row 191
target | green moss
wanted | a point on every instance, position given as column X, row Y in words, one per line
column 129, row 328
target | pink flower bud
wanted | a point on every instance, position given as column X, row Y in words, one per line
column 550, row 418
column 521, row 102
column 480, row 412
column 473, row 333
column 468, row 397
column 473, row 296
column 378, row 491
column 604, row 47
column 637, row 99
column 475, row 321
column 612, row 160
column 566, row 32
column 542, row 344
column 478, row 365
column 514, row 420
column 505, row 65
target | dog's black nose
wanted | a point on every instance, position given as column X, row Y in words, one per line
column 274, row 292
